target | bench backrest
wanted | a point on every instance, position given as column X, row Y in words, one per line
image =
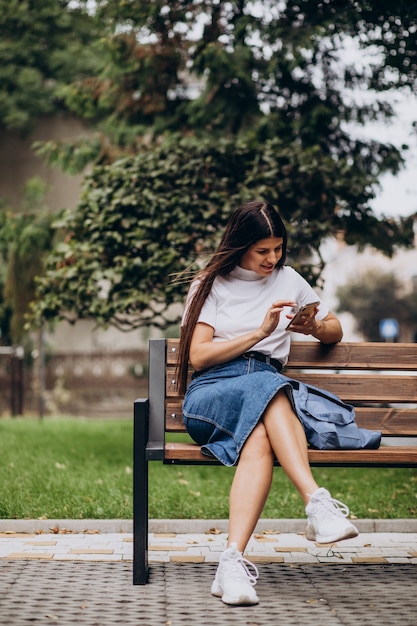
column 379, row 379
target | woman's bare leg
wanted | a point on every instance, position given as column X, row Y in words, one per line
column 250, row 487
column 289, row 443
column 282, row 434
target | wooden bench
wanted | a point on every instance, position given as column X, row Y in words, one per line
column 379, row 379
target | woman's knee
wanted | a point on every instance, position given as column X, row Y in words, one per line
column 258, row 445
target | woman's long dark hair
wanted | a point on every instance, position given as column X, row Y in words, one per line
column 248, row 224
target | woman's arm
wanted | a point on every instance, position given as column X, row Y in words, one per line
column 204, row 352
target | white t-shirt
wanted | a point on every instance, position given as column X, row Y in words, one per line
column 238, row 302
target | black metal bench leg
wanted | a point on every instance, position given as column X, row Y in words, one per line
column 140, row 492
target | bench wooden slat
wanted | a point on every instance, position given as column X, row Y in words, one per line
column 365, row 387
column 353, row 355
column 351, row 388
column 391, row 421
column 389, row 455
column 344, row 355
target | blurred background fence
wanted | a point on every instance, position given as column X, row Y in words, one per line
column 93, row 385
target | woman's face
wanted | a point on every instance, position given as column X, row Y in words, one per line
column 263, row 256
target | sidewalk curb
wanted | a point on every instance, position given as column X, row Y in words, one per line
column 190, row 526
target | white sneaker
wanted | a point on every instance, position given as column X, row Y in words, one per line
column 327, row 521
column 234, row 582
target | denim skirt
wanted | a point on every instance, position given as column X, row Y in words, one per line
column 223, row 404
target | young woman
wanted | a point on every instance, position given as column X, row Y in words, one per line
column 238, row 406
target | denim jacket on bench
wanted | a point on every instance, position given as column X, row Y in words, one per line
column 329, row 423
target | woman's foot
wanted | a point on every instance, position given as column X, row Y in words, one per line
column 234, row 582
column 327, row 521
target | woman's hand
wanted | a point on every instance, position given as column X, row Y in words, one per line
column 271, row 319
column 304, row 321
column 327, row 330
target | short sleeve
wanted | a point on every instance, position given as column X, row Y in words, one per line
column 208, row 313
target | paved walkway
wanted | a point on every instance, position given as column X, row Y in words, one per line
column 173, row 541
column 63, row 573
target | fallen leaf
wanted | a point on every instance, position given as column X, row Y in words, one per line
column 213, row 531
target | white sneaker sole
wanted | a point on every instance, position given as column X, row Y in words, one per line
column 348, row 533
column 242, row 600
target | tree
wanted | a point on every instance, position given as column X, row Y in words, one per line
column 25, row 238
column 43, row 46
column 153, row 217
column 231, row 68
column 375, row 296
column 256, row 105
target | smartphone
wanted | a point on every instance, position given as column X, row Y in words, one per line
column 307, row 309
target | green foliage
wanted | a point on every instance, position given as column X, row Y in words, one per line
column 73, row 155
column 265, row 70
column 42, row 46
column 199, row 105
column 25, row 237
column 374, row 296
column 143, row 220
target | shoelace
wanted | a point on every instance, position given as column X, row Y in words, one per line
column 243, row 564
column 335, row 507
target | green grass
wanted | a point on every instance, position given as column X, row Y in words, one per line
column 65, row 468
column 73, row 468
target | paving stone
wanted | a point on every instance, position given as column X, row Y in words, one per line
column 264, row 558
column 369, row 559
column 29, row 555
column 187, row 558
column 287, row 549
column 170, row 547
column 89, row 551
column 40, row 543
